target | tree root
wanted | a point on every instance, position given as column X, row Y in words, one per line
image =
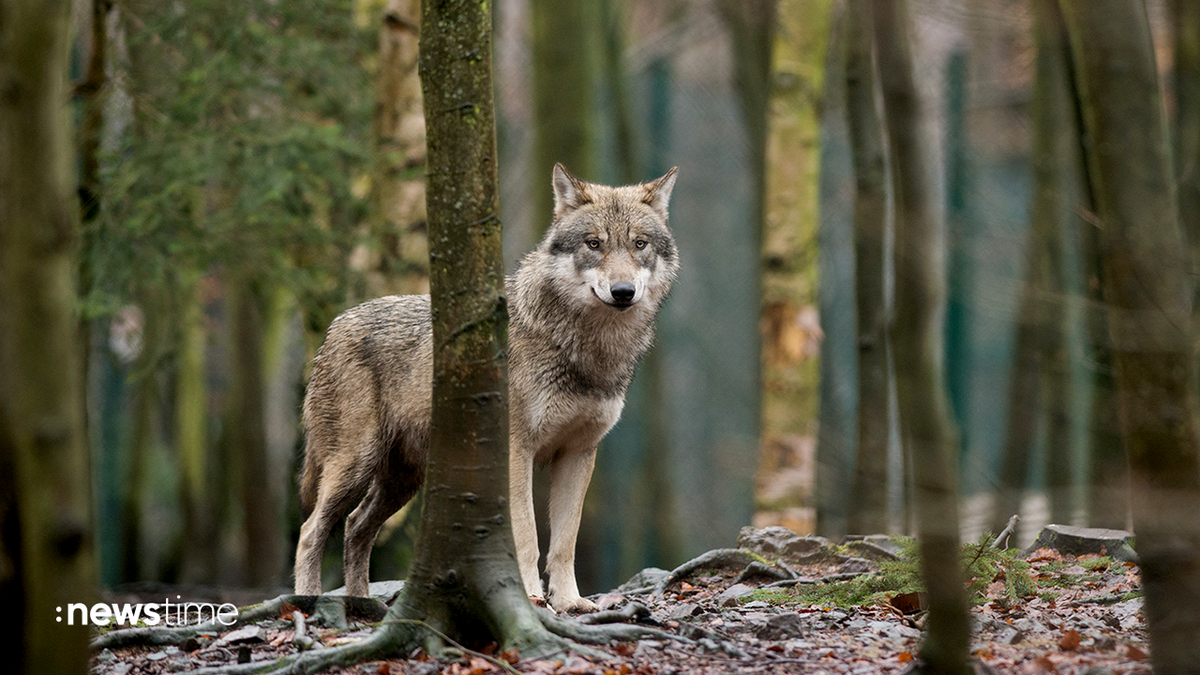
column 394, row 637
column 806, row 581
column 602, row 635
column 148, row 636
column 730, row 558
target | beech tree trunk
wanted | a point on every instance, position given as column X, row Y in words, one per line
column 400, row 263
column 867, row 512
column 926, row 428
column 45, row 495
column 1149, row 293
column 464, row 579
column 566, row 51
column 1038, row 384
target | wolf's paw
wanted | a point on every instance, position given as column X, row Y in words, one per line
column 573, row 605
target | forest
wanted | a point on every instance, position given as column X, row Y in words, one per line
column 936, row 305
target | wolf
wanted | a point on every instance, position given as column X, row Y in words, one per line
column 582, row 308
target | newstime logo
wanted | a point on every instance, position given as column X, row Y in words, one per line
column 150, row 614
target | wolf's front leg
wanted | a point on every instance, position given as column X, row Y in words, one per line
column 569, row 478
column 520, row 510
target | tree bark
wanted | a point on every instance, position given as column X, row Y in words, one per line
column 566, row 68
column 1185, row 15
column 398, row 229
column 42, row 437
column 926, row 428
column 261, row 511
column 1149, row 294
column 867, row 512
column 1040, row 369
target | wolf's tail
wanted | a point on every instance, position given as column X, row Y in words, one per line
column 310, row 480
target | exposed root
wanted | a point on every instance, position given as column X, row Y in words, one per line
column 366, row 608
column 602, row 635
column 634, row 611
column 727, row 558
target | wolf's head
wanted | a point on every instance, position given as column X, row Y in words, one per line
column 609, row 247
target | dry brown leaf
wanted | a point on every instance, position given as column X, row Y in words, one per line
column 1069, row 641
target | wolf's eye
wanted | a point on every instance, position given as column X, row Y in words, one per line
column 593, row 243
column 640, row 243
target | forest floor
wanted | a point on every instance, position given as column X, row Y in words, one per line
column 778, row 604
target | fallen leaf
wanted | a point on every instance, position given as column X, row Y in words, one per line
column 908, row 603
column 285, row 611
column 904, row 657
column 1069, row 641
column 1135, row 653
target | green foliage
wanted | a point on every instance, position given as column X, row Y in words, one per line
column 985, row 564
column 234, row 146
column 982, row 565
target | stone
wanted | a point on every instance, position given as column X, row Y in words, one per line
column 873, row 547
column 684, row 610
column 776, row 540
column 856, row 566
column 1070, row 540
column 246, row 635
column 384, row 591
column 781, row 627
column 731, row 596
column 649, row 577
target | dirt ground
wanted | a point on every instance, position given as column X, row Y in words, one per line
column 752, row 610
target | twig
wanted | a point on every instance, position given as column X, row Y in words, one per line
column 832, row 578
column 1104, row 599
column 1006, row 532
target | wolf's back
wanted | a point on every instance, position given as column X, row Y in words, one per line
column 373, row 372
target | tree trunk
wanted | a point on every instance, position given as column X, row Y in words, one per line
column 1185, row 15
column 247, row 436
column 42, row 440
column 566, row 51
column 197, row 560
column 867, row 512
column 1148, row 290
column 925, row 425
column 1040, row 369
column 401, row 263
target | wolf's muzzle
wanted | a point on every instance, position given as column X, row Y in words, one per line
column 622, row 294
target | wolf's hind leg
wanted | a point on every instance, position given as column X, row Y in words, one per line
column 569, row 478
column 389, row 491
column 333, row 501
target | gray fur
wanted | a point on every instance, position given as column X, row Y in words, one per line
column 572, row 352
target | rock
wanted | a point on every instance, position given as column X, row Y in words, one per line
column 757, row 570
column 781, row 627
column 1010, row 636
column 1069, row 540
column 684, row 610
column 651, row 576
column 872, row 547
column 1029, row 626
column 855, row 566
column 730, row 596
column 106, row 657
column 756, row 604
column 776, row 540
column 384, row 591
column 241, row 636
column 190, row 644
column 155, row 656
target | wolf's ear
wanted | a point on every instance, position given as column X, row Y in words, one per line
column 569, row 192
column 658, row 192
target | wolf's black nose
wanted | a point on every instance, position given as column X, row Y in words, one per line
column 622, row 292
